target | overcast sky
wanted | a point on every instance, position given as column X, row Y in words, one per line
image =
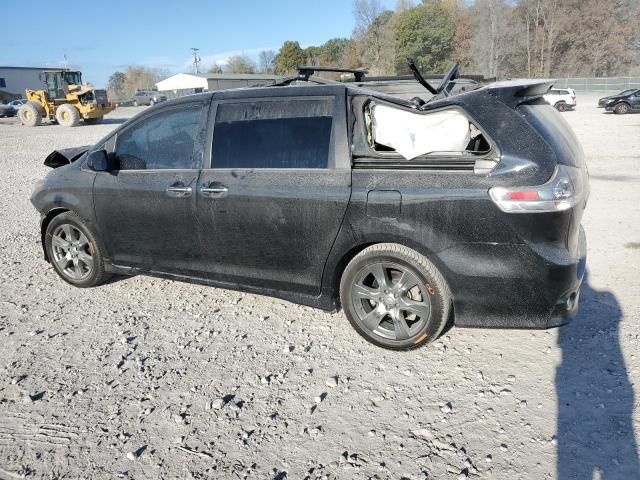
column 102, row 37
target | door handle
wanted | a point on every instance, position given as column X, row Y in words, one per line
column 179, row 192
column 214, row 192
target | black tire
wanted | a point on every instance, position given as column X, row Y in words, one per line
column 67, row 115
column 561, row 106
column 622, row 108
column 30, row 114
column 67, row 251
column 410, row 284
column 93, row 121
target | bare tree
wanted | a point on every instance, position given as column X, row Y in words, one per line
column 404, row 5
column 142, row 78
column 266, row 60
column 214, row 68
column 239, row 64
column 365, row 13
column 491, row 43
column 375, row 33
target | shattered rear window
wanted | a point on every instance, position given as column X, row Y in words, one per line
column 413, row 134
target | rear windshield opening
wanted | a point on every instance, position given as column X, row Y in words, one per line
column 413, row 135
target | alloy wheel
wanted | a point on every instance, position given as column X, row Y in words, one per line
column 622, row 108
column 390, row 301
column 72, row 252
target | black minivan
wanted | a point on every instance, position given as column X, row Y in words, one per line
column 406, row 214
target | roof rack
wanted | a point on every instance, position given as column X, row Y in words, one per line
column 305, row 71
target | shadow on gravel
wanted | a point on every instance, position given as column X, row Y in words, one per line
column 115, row 278
column 595, row 395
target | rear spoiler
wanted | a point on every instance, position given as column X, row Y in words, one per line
column 517, row 92
column 65, row 156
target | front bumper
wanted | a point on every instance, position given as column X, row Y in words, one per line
column 514, row 285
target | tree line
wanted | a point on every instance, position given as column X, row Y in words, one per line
column 494, row 38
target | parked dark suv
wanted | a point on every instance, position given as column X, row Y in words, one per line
column 406, row 214
column 621, row 103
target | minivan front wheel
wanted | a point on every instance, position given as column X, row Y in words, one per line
column 73, row 251
column 395, row 297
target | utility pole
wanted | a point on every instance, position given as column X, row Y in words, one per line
column 196, row 59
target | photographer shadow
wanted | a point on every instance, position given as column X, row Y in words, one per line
column 595, row 394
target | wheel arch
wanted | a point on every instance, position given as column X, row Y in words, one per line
column 336, row 270
column 51, row 214
column 623, row 102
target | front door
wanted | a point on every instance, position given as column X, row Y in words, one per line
column 272, row 205
column 146, row 208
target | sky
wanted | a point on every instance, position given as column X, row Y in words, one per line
column 100, row 38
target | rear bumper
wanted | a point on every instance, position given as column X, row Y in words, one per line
column 514, row 286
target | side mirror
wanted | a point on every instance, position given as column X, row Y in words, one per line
column 98, row 161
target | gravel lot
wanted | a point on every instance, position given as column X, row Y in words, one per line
column 148, row 378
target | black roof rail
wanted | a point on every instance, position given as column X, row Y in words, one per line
column 305, row 71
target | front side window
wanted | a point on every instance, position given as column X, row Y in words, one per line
column 163, row 141
column 291, row 133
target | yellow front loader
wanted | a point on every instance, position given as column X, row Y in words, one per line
column 64, row 100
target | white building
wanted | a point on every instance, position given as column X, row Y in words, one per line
column 187, row 83
column 15, row 80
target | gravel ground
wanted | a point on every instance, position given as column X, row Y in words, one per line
column 149, row 378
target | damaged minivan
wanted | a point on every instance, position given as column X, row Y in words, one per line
column 459, row 207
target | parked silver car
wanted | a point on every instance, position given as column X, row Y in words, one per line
column 16, row 104
column 145, row 97
column 6, row 111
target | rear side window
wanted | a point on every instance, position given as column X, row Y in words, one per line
column 291, row 133
column 162, row 141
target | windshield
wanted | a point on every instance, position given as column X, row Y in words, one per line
column 72, row 78
column 627, row 92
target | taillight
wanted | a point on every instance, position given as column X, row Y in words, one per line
column 566, row 188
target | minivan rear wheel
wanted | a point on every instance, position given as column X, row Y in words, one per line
column 74, row 252
column 395, row 297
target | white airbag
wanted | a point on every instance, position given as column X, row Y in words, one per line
column 414, row 134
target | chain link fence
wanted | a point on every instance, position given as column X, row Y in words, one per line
column 598, row 84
